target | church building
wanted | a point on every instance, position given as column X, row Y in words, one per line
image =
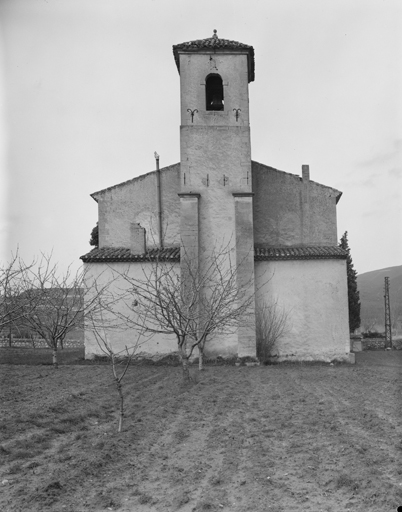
column 282, row 227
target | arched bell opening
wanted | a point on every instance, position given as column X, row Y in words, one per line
column 214, row 92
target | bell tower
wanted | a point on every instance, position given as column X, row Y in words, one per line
column 215, row 163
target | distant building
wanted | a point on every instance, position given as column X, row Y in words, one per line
column 58, row 304
column 278, row 224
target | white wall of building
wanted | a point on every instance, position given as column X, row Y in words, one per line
column 127, row 335
column 135, row 201
column 314, row 294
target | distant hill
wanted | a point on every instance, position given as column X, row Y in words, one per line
column 371, row 288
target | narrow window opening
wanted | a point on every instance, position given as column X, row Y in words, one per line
column 214, row 92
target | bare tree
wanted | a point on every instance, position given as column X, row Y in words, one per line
column 205, row 303
column 119, row 360
column 11, row 307
column 369, row 324
column 272, row 323
column 222, row 304
column 53, row 302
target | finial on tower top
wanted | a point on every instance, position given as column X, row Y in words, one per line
column 215, row 36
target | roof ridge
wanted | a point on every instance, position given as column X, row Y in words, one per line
column 141, row 176
column 275, row 169
column 338, row 192
column 214, row 40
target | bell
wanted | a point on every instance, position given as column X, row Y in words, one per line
column 216, row 103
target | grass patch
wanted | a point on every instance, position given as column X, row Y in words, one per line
column 30, row 447
column 344, row 481
column 39, row 356
column 15, row 468
column 75, row 419
column 59, row 429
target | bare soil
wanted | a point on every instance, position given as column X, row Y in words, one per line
column 270, row 438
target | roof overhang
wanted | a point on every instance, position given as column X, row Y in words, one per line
column 216, row 45
column 172, row 254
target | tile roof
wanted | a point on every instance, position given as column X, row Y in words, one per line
column 116, row 254
column 122, row 254
column 215, row 43
column 298, row 253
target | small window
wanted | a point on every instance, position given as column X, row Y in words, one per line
column 214, row 92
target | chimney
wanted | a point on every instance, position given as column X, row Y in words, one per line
column 137, row 239
column 305, row 172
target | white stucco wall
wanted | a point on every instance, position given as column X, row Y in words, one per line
column 314, row 293
column 135, row 201
column 290, row 211
column 218, row 345
column 126, row 335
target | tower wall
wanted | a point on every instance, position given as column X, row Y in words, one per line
column 195, row 68
column 215, row 162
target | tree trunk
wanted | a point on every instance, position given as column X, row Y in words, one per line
column 186, row 370
column 55, row 362
column 200, row 357
column 184, row 362
column 121, row 415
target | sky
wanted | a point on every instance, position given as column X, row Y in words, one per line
column 89, row 90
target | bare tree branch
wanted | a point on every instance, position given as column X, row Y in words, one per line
column 11, row 307
column 101, row 329
column 52, row 302
column 208, row 303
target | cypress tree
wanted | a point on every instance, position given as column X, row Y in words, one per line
column 94, row 236
column 353, row 292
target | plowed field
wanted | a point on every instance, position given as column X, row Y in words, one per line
column 270, row 438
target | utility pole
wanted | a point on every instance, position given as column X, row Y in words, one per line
column 159, row 200
column 388, row 332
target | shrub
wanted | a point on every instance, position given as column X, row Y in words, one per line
column 272, row 323
column 373, row 334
